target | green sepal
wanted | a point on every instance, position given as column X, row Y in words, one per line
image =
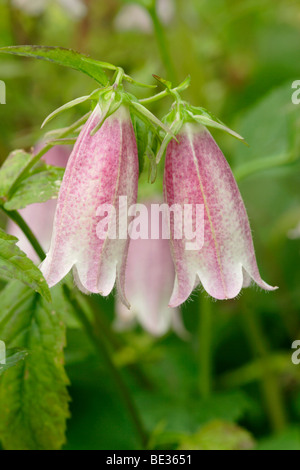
column 202, row 116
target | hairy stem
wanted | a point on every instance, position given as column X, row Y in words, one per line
column 270, row 385
column 36, row 158
column 18, row 219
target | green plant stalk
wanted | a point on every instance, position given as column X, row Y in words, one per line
column 162, row 43
column 205, row 346
column 100, row 345
column 263, row 164
column 101, row 325
column 18, row 219
column 270, row 385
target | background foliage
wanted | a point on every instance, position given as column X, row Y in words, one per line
column 243, row 58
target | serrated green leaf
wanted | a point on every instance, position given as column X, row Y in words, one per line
column 43, row 184
column 33, row 395
column 13, row 357
column 11, row 169
column 14, row 264
column 61, row 56
column 142, row 136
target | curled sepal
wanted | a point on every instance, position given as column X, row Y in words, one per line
column 71, row 104
column 202, row 116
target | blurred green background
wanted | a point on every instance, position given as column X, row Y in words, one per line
column 243, row 58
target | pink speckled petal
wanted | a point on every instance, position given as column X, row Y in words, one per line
column 101, row 168
column 197, row 173
column 149, row 280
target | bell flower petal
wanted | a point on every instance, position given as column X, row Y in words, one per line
column 197, row 172
column 102, row 168
column 150, row 277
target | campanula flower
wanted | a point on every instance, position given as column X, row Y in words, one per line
column 150, row 276
column 101, row 169
column 197, row 172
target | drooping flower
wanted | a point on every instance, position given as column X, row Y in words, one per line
column 150, row 278
column 197, row 172
column 40, row 216
column 101, row 168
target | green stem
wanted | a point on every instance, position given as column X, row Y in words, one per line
column 101, row 325
column 162, row 43
column 18, row 219
column 263, row 164
column 154, row 98
column 100, row 345
column 36, row 158
column 205, row 346
column 270, row 385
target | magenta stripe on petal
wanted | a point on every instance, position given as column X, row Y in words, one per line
column 197, row 173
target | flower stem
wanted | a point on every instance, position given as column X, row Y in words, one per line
column 162, row 43
column 205, row 340
column 99, row 343
column 263, row 164
column 18, row 219
column 270, row 385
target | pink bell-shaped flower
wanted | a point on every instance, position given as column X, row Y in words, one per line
column 101, row 169
column 197, row 173
column 150, row 278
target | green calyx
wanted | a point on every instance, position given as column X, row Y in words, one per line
column 182, row 112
